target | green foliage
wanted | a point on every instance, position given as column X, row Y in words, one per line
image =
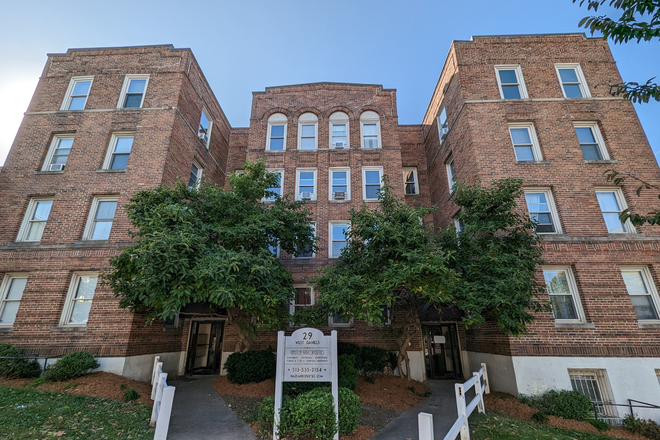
column 349, row 411
column 566, row 404
column 352, row 349
column 599, row 425
column 70, row 366
column 374, row 360
column 131, row 395
column 294, row 389
column 17, row 367
column 211, row 246
column 348, row 374
column 647, row 428
column 250, row 366
column 540, row 417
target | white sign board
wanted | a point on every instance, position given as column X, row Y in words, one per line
column 306, row 356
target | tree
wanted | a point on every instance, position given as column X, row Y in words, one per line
column 639, row 20
column 211, row 245
column 392, row 261
column 653, row 217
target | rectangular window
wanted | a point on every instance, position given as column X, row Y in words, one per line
column 276, row 139
column 340, row 184
column 594, row 385
column 305, row 184
column 100, row 218
column 118, row 151
column 307, row 136
column 276, row 189
column 35, row 219
column 411, row 186
column 338, row 238
column 525, row 143
column 58, row 153
column 591, row 141
column 77, row 93
column 204, row 130
column 564, row 297
column 642, row 291
column 11, row 292
column 451, row 174
column 339, row 320
column 307, row 252
column 572, row 81
column 195, row 176
column 542, row 211
column 79, row 299
column 339, row 136
column 443, row 124
column 370, row 135
column 459, row 224
column 612, row 204
column 303, row 297
column 274, row 249
column 510, row 81
column 133, row 91
column 372, row 182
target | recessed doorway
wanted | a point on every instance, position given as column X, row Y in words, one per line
column 205, row 347
column 441, row 352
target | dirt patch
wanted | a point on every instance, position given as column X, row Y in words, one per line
column 246, row 408
column 511, row 406
column 375, row 417
column 361, row 433
column 261, row 389
column 391, row 392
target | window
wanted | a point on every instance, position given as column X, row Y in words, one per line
column 133, row 91
column 100, row 218
column 195, row 176
column 79, row 299
column 339, row 130
column 510, row 81
column 118, row 152
column 340, row 184
column 338, row 238
column 612, row 204
column 276, row 139
column 77, row 93
column 410, row 181
column 591, row 141
column 307, row 131
column 276, row 189
column 11, row 292
column 370, row 129
column 306, row 184
column 274, row 249
column 642, row 291
column 204, row 130
column 372, row 182
column 563, row 293
column 307, row 252
column 35, row 219
column 594, row 385
column 58, row 153
column 339, row 320
column 451, row 174
column 541, row 207
column 443, row 124
column 572, row 81
column 459, row 224
column 525, row 142
column 303, row 297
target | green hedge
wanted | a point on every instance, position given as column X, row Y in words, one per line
column 566, row 404
column 17, row 367
column 348, row 374
column 70, row 366
column 250, row 366
column 368, row 360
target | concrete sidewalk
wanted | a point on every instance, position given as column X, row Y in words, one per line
column 199, row 413
column 442, row 404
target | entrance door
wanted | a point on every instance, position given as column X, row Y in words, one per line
column 205, row 347
column 442, row 356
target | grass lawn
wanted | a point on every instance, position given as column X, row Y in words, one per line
column 68, row 416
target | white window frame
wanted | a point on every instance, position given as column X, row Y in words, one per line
column 551, row 205
column 415, row 177
column 522, row 89
column 536, row 147
column 597, row 136
column 277, row 119
column 313, row 253
column 67, row 310
column 364, row 182
column 443, row 126
column 124, row 90
column 339, row 118
column 621, row 200
column 603, row 383
column 573, row 290
column 27, row 218
column 370, row 117
column 584, row 88
column 306, row 170
column 68, row 96
column 332, row 323
column 292, row 304
column 4, row 291
column 330, row 237
column 652, row 290
column 274, row 170
column 53, row 146
column 308, row 119
column 459, row 224
column 200, row 171
column 452, row 180
column 113, row 145
column 200, row 135
column 348, row 182
column 89, row 227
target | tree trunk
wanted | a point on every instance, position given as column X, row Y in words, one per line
column 244, row 336
column 403, row 341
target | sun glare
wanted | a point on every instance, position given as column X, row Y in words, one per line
column 14, row 99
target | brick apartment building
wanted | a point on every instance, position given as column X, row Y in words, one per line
column 104, row 123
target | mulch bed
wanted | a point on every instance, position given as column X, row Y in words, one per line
column 391, row 392
column 261, row 389
column 509, row 405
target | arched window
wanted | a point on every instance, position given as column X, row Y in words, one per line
column 276, row 136
column 370, row 130
column 308, row 124
column 339, row 132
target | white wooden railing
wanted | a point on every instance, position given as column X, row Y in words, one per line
column 479, row 381
column 163, row 397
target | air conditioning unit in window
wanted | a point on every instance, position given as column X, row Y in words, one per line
column 339, row 145
column 306, row 195
column 443, row 132
column 340, row 195
column 56, row 167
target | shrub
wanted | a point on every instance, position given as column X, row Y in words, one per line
column 17, row 367
column 294, row 389
column 374, row 360
column 647, row 428
column 131, row 395
column 251, row 366
column 348, row 374
column 71, row 366
column 540, row 417
column 567, row 404
column 349, row 411
column 348, row 348
column 599, row 425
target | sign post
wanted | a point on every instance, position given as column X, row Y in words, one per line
column 306, row 356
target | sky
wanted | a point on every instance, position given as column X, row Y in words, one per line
column 247, row 45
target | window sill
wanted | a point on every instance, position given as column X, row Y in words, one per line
column 532, row 162
column 49, row 172
column 412, row 195
column 111, row 171
column 370, row 200
column 371, row 149
column 340, row 201
column 554, row 237
column 69, row 329
column 559, row 324
column 306, row 200
column 648, row 324
column 274, row 151
column 601, row 161
column 7, row 329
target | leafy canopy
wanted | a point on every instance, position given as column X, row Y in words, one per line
column 211, row 245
